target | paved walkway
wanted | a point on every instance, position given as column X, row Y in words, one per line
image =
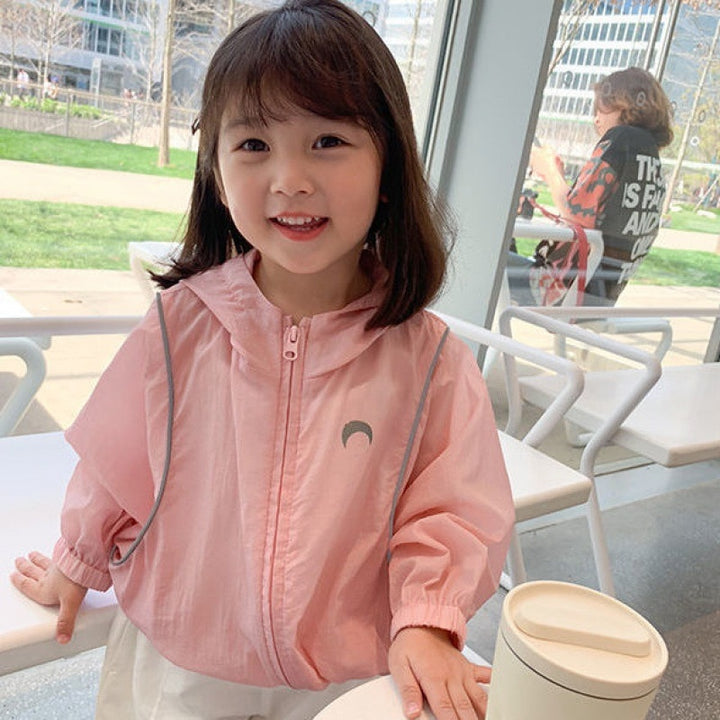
column 54, row 183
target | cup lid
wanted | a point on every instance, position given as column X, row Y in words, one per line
column 583, row 640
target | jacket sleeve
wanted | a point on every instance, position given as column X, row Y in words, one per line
column 596, row 182
column 111, row 490
column 455, row 516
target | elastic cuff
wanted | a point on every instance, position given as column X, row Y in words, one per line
column 443, row 617
column 78, row 571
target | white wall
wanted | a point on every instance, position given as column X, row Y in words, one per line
column 499, row 54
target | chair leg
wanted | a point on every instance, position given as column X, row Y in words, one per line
column 599, row 545
column 516, row 564
column 576, row 435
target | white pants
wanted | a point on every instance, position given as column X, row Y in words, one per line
column 137, row 683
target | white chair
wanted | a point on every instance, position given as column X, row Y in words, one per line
column 35, row 471
column 29, row 350
column 540, row 484
column 670, row 415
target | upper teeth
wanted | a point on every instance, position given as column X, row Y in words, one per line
column 297, row 220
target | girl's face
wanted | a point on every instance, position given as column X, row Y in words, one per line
column 302, row 190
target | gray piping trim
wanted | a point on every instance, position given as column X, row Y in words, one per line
column 411, row 439
column 114, row 551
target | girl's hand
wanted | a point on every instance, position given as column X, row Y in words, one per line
column 40, row 580
column 423, row 661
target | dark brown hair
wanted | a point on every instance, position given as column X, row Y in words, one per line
column 641, row 100
column 320, row 56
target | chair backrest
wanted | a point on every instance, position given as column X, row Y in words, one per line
column 511, row 349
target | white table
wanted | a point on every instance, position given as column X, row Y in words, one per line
column 378, row 699
column 34, row 472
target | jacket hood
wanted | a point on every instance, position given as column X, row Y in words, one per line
column 230, row 293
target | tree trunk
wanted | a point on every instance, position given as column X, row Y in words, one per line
column 230, row 16
column 164, row 144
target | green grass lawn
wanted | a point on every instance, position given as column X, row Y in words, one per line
column 58, row 150
column 57, row 235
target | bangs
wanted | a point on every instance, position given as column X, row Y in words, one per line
column 324, row 77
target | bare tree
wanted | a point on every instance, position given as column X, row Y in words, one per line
column 141, row 50
column 12, row 23
column 569, row 28
column 165, row 102
column 49, row 28
column 706, row 63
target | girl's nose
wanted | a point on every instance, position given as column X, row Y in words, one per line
column 292, row 177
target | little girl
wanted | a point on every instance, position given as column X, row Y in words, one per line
column 289, row 473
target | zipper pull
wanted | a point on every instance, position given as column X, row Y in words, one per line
column 290, row 351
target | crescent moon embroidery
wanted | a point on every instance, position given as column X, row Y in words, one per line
column 356, row 426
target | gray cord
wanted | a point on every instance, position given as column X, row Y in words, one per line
column 411, row 439
column 115, row 550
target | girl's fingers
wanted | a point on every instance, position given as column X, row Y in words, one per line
column 29, row 569
column 40, row 560
column 410, row 692
column 481, row 674
column 478, row 697
column 28, row 586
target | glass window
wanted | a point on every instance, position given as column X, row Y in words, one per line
column 412, row 32
column 115, row 42
column 603, row 32
column 612, row 31
column 622, row 27
column 90, row 39
column 102, row 40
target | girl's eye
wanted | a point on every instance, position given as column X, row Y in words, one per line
column 253, row 145
column 328, row 141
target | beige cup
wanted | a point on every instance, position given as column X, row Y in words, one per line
column 565, row 652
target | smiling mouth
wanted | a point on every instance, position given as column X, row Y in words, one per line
column 299, row 223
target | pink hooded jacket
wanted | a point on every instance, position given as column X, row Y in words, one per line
column 271, row 560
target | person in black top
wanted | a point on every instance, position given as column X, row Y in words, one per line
column 619, row 190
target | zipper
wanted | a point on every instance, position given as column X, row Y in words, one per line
column 290, row 348
column 290, row 353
